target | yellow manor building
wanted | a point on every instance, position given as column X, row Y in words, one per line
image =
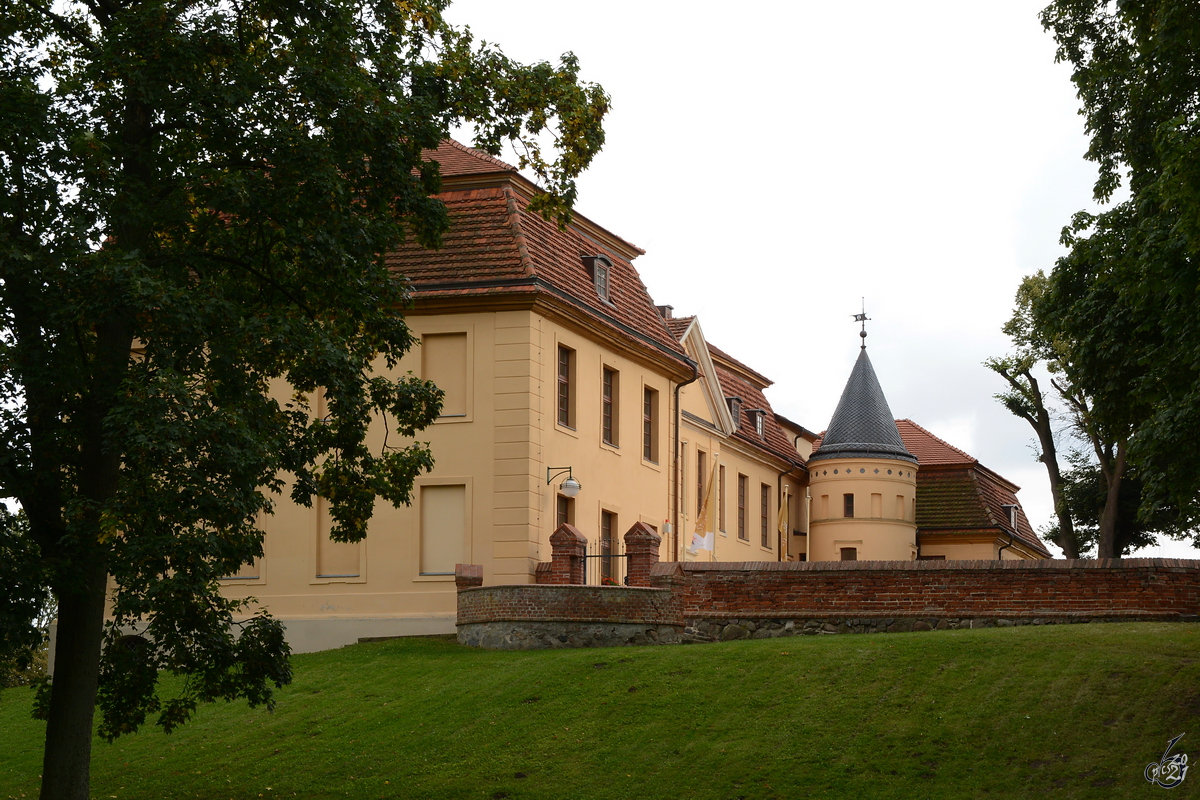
column 571, row 397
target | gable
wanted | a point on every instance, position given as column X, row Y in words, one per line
column 703, row 399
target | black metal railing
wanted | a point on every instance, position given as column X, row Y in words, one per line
column 602, row 565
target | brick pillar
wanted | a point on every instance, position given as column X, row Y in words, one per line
column 641, row 545
column 567, row 548
column 467, row 575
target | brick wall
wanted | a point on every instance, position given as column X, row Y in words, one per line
column 532, row 616
column 604, row 604
column 707, row 601
column 1130, row 588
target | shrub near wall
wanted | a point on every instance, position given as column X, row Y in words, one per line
column 728, row 600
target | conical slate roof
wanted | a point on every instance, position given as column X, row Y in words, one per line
column 863, row 425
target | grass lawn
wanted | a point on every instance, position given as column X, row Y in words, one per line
column 1066, row 711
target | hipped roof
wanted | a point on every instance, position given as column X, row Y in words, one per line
column 497, row 249
column 958, row 495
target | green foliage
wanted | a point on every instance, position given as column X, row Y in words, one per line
column 1123, row 299
column 1085, row 492
column 25, row 604
column 1004, row 712
column 195, row 202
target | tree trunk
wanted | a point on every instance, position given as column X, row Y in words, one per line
column 81, row 584
column 1066, row 538
column 67, row 758
column 1108, row 518
column 1042, row 425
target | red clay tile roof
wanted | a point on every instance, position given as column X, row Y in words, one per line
column 970, row 500
column 928, row 448
column 456, row 158
column 496, row 247
column 678, row 325
column 479, row 248
column 732, row 376
column 762, row 380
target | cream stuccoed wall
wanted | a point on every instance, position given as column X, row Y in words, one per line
column 882, row 529
column 487, row 500
column 616, row 476
column 700, row 436
column 974, row 548
column 759, row 471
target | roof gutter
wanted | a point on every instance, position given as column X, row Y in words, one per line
column 1003, row 547
column 1012, row 511
column 676, row 468
column 675, row 355
column 807, row 499
column 542, row 285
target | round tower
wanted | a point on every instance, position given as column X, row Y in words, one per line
column 862, row 480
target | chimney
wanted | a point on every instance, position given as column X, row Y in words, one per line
column 666, row 312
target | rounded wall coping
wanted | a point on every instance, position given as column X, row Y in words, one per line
column 1133, row 615
column 678, row 567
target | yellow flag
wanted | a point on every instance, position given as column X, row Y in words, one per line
column 782, row 526
column 704, row 538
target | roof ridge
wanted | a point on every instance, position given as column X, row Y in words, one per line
column 482, row 155
column 739, row 366
column 514, row 221
column 940, row 440
column 977, row 485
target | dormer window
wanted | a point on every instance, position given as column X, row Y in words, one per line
column 735, row 410
column 598, row 268
column 759, row 422
column 1011, row 511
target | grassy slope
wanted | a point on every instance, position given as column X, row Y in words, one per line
column 1074, row 711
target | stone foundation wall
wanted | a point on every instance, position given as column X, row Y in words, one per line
column 546, row 635
column 724, row 630
column 722, row 601
column 541, row 616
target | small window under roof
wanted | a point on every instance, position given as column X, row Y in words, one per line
column 599, row 268
column 735, row 410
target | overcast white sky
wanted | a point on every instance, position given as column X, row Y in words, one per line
column 778, row 161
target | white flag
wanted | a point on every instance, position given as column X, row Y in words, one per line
column 699, row 543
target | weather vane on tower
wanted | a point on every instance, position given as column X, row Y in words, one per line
column 862, row 317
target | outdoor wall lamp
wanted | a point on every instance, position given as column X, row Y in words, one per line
column 570, row 487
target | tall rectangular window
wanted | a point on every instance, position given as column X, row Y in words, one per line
column 721, row 497
column 741, row 508
column 334, row 559
column 609, row 407
column 564, row 511
column 876, row 505
column 608, row 548
column 443, row 528
column 680, row 479
column 764, row 516
column 250, row 571
column 650, row 424
column 444, row 361
column 848, row 505
column 701, row 469
column 566, row 386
